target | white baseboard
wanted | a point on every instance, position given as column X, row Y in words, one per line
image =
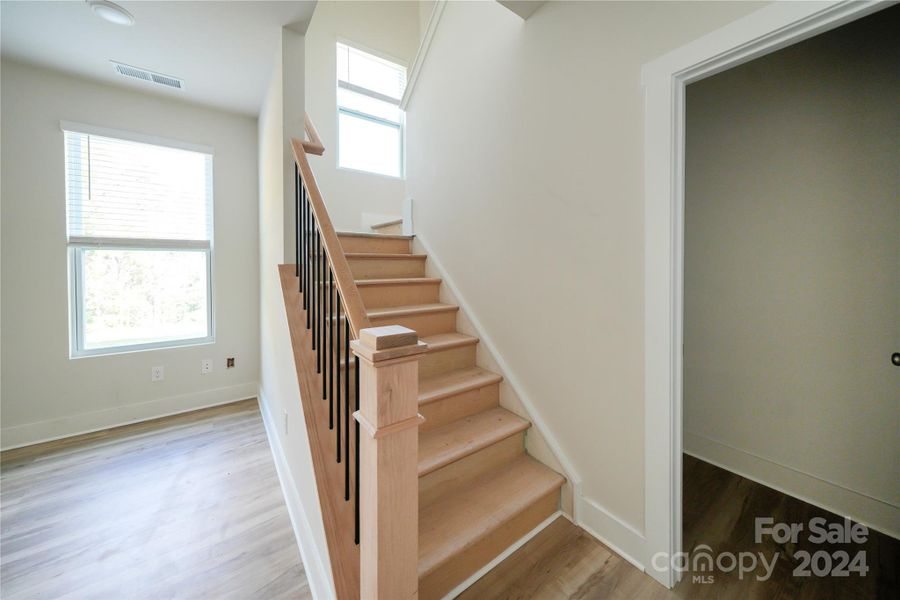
column 38, row 432
column 611, row 531
column 317, row 574
column 503, row 556
column 871, row 512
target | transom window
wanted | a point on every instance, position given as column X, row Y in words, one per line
column 370, row 122
column 139, row 225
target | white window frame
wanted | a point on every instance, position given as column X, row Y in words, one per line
column 77, row 244
column 401, row 126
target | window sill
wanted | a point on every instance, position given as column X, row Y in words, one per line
column 372, row 173
column 166, row 345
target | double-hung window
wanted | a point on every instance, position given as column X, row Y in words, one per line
column 370, row 122
column 139, row 223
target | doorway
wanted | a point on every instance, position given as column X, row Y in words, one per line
column 664, row 79
column 791, row 313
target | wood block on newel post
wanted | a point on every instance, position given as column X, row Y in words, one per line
column 389, row 451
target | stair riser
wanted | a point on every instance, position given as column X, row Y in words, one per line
column 424, row 324
column 443, row 411
column 436, row 363
column 462, row 472
column 375, row 245
column 386, row 268
column 446, row 576
column 378, row 296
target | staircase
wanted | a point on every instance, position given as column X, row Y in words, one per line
column 421, row 474
column 478, row 490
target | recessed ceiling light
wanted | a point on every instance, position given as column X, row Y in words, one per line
column 112, row 12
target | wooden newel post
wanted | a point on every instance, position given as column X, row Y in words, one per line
column 389, row 449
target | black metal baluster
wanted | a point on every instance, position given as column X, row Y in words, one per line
column 356, row 491
column 300, row 236
column 314, row 293
column 347, row 410
column 328, row 350
column 331, row 287
column 337, row 358
column 297, row 223
column 306, row 263
column 323, row 324
column 307, row 247
column 312, row 280
column 301, row 240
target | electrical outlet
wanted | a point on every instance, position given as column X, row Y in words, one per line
column 206, row 366
column 285, row 415
column 157, row 373
column 229, row 362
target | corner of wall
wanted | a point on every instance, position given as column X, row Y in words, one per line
column 279, row 390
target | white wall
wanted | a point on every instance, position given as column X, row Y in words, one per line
column 390, row 29
column 279, row 390
column 292, row 68
column 792, row 235
column 45, row 394
column 525, row 169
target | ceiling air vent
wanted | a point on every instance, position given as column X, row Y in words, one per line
column 144, row 74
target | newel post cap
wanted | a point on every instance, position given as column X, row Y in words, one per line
column 390, row 342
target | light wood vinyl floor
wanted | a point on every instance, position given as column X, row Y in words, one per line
column 563, row 561
column 182, row 507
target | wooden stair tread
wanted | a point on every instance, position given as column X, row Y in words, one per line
column 377, row 236
column 446, row 341
column 411, row 309
column 453, row 441
column 383, row 256
column 437, row 342
column 455, row 382
column 456, row 521
column 388, row 281
column 398, row 281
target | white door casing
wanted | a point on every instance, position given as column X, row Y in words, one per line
column 664, row 79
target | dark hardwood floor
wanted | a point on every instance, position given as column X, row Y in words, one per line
column 720, row 509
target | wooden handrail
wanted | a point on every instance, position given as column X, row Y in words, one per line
column 343, row 276
column 314, row 144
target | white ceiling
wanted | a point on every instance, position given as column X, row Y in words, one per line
column 223, row 50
